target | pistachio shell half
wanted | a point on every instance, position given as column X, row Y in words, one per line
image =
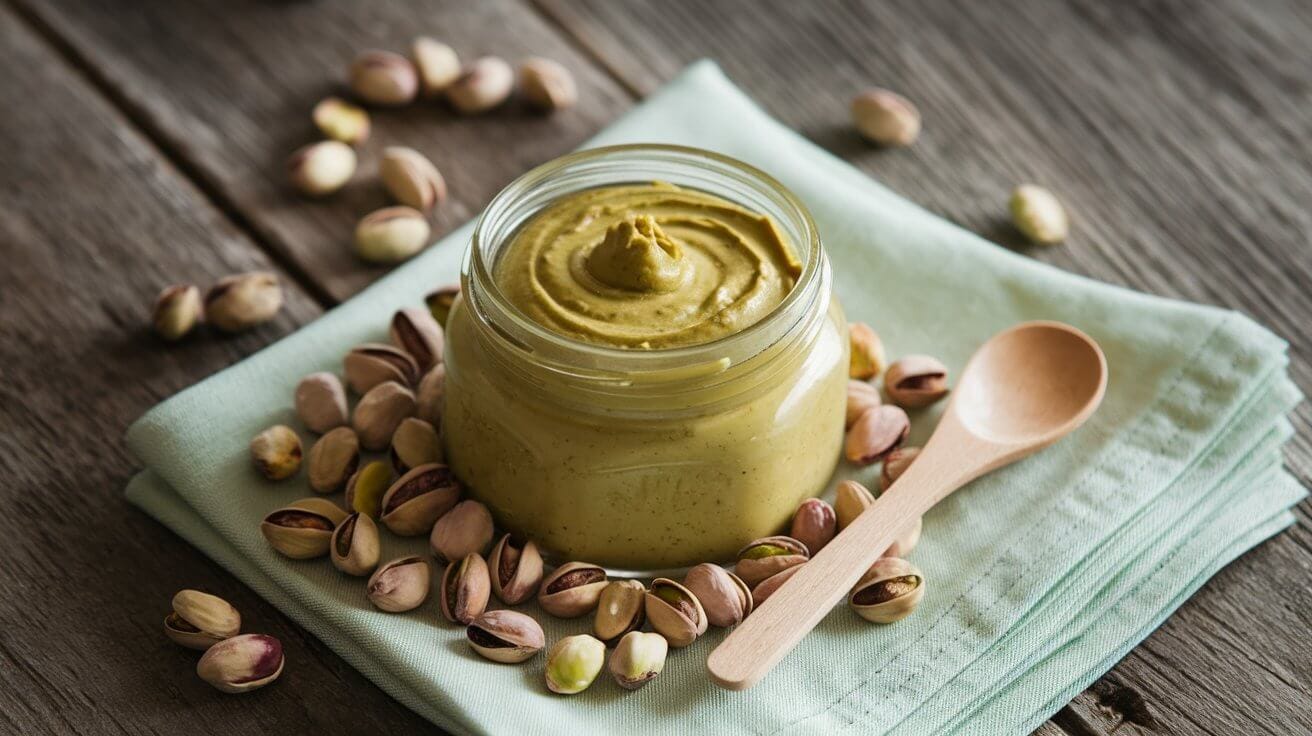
column 674, row 612
column 298, row 533
column 765, row 557
column 888, row 592
column 516, row 570
column 620, row 609
column 725, row 598
column 355, row 547
column 400, row 584
column 465, row 589
column 572, row 589
column 417, row 499
column 505, row 636
column 200, row 620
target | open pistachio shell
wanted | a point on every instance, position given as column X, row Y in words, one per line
column 465, row 589
column 765, row 557
column 355, row 547
column 724, row 596
column 505, row 636
column 400, row 585
column 200, row 620
column 418, row 499
column 516, row 570
column 298, row 533
column 889, row 591
column 674, row 612
column 572, row 589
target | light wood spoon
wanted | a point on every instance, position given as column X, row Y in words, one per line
column 1024, row 389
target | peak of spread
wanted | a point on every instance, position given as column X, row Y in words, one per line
column 646, row 266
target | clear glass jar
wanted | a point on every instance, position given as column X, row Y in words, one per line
column 644, row 460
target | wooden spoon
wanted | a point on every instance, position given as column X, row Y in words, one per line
column 1024, row 389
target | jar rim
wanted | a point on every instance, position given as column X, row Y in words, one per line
column 574, row 355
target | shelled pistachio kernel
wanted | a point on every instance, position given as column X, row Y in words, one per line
column 638, row 658
column 399, row 585
column 895, row 464
column 916, row 381
column 391, row 235
column 199, row 620
column 862, row 396
column 885, row 117
column 573, row 663
column 889, row 591
column 814, row 524
column 867, row 358
column 321, row 168
column 380, row 411
column 242, row 663
column 414, row 330
column 355, row 545
column 321, row 402
column 547, row 84
column 365, row 489
column 572, row 589
column 333, row 459
column 417, row 499
column 276, row 452
column 850, row 501
column 372, row 363
column 384, row 78
column 620, row 609
column 437, row 64
column 242, row 301
column 516, row 570
column 411, row 178
column 415, row 443
column 465, row 529
column 725, row 598
column 440, row 301
column 878, row 432
column 767, row 556
column 674, row 612
column 298, row 533
column 482, row 85
column 339, row 120
column 177, row 310
column 1039, row 215
column 505, row 636
column 466, row 588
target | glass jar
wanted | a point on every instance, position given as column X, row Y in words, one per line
column 643, row 460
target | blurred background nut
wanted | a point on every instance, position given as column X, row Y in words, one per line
column 177, row 310
column 373, row 363
column 399, row 585
column 355, row 546
column 437, row 64
column 321, row 168
column 415, row 443
column 440, row 301
column 725, row 598
column 411, row 178
column 380, row 411
column 414, row 330
column 481, row 86
column 277, row 452
column 242, row 663
column 638, row 659
column 505, row 636
column 516, row 570
column 867, row 356
column 572, row 589
column 547, row 84
column 200, row 620
column 465, row 529
column 1039, row 215
column 465, row 589
column 850, row 501
column 895, row 465
column 885, row 117
column 878, row 432
column 391, row 235
column 333, row 459
column 814, row 524
column 384, row 78
column 862, row 396
column 242, row 301
column 339, row 120
column 365, row 489
column 916, row 381
column 321, row 402
column 889, row 591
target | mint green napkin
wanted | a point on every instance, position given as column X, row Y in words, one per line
column 1039, row 576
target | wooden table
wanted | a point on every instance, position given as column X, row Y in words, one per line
column 143, row 144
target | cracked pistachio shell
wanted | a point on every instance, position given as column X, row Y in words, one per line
column 321, row 402
column 440, row 302
column 380, row 412
column 573, row 663
column 867, row 356
column 916, row 381
column 674, row 612
column 415, row 443
column 322, row 168
column 400, row 584
column 465, row 589
column 320, row 506
column 391, row 235
column 889, row 591
column 417, row 499
column 516, row 570
column 177, row 310
column 200, row 620
column 725, row 598
column 1039, row 215
column 465, row 529
column 374, row 363
column 637, row 659
column 878, row 432
column 572, row 589
column 885, row 117
column 298, row 533
column 906, row 541
column 862, row 396
column 547, row 84
column 383, row 78
column 482, row 85
column 814, row 524
column 341, row 121
column 767, row 556
column 243, row 663
column 850, row 500
column 431, row 395
column 768, row 586
column 620, row 609
column 333, row 459
column 411, row 178
column 437, row 64
column 505, row 636
column 276, row 452
column 895, row 464
column 242, row 301
column 365, row 489
column 415, row 331
column 355, row 548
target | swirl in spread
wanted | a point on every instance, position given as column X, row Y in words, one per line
column 647, row 266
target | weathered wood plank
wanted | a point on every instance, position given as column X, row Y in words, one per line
column 1176, row 133
column 93, row 221
column 227, row 87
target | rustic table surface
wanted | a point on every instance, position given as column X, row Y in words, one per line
column 143, row 144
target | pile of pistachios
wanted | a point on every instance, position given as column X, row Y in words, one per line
column 234, row 304
column 233, row 662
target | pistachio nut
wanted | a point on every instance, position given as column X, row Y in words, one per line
column 573, row 663
column 391, row 235
column 321, row 506
column 416, row 332
column 814, row 524
column 867, row 352
column 850, row 500
column 516, row 570
column 298, row 533
column 1038, row 215
column 355, row 548
column 411, row 178
column 547, row 84
column 572, row 589
column 505, row 636
column 482, row 85
column 878, row 432
column 885, row 117
column 384, row 78
column 380, row 411
column 417, row 499
column 177, row 310
column 895, row 464
column 276, row 452
column 764, row 588
column 365, row 489
column 465, row 529
column 465, row 589
column 725, row 598
column 242, row 301
column 620, row 609
column 907, row 540
column 431, row 395
column 440, row 301
column 916, row 381
column 243, row 663
column 674, row 612
column 200, row 620
column 415, row 443
column 889, row 591
column 339, row 120
column 322, row 168
column 373, row 363
column 399, row 585
column 862, row 396
column 333, row 459
column 637, row 659
column 765, row 557
column 321, row 402
column 437, row 64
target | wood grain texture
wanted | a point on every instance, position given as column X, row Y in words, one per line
column 1175, row 132
column 227, row 88
column 93, row 222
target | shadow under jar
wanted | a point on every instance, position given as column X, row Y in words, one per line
column 642, row 458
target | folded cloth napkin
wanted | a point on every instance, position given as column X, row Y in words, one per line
column 1040, row 576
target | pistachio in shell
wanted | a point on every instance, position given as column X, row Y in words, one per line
column 725, row 598
column 333, row 459
column 200, row 620
column 400, row 584
column 355, row 546
column 767, row 556
column 414, row 443
column 889, row 591
column 465, row 589
column 418, row 499
column 572, row 589
column 380, row 412
column 516, row 570
column 674, row 612
column 298, row 533
column 372, row 363
column 505, row 636
column 620, row 609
